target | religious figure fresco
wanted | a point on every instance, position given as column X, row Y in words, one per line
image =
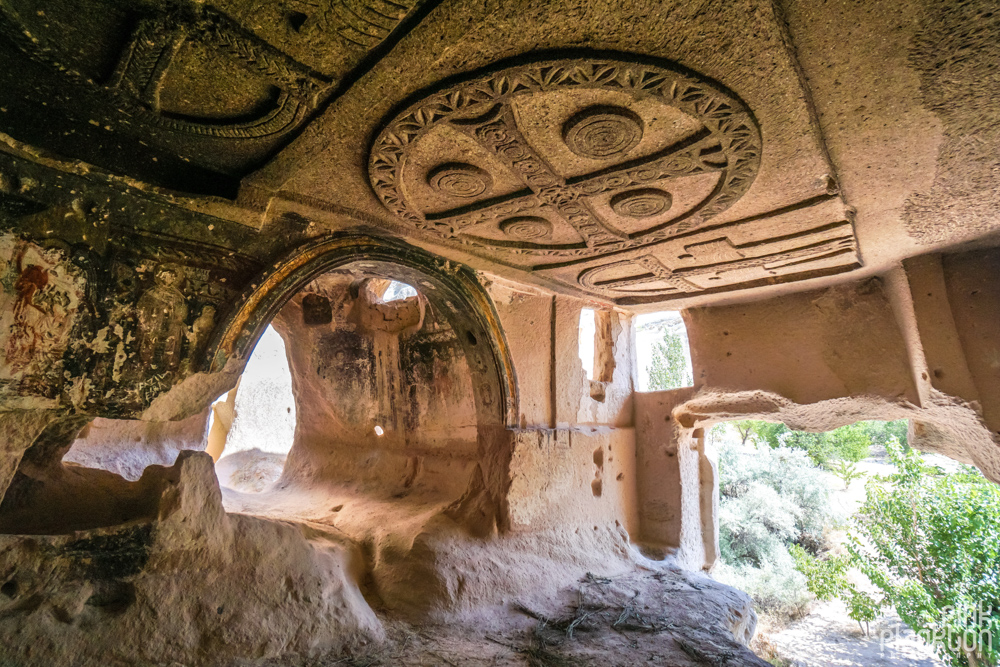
column 162, row 313
column 198, row 336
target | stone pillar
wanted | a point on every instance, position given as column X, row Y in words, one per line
column 676, row 483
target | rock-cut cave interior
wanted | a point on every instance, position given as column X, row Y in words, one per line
column 405, row 206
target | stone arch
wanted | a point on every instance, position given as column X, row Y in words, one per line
column 451, row 288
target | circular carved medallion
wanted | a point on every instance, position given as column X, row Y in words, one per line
column 526, row 228
column 459, row 180
column 643, row 203
column 513, row 123
column 602, row 131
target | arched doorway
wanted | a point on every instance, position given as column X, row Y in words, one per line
column 388, row 391
column 452, row 289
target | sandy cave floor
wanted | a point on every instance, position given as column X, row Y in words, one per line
column 827, row 637
column 658, row 615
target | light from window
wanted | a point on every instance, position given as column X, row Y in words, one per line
column 587, row 331
column 663, row 355
column 397, row 290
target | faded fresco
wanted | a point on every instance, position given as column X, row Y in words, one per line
column 86, row 332
column 42, row 296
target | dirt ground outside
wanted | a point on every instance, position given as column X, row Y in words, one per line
column 827, row 636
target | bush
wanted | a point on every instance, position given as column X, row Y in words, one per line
column 931, row 544
column 769, row 499
column 827, row 578
column 770, row 494
column 776, row 587
column 848, row 443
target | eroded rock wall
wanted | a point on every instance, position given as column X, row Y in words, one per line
column 128, row 446
column 573, row 459
column 918, row 343
column 185, row 584
column 383, row 392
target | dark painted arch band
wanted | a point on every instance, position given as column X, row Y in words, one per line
column 450, row 287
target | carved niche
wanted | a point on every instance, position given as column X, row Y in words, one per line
column 187, row 95
column 605, row 173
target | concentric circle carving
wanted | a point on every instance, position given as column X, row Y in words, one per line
column 459, row 180
column 641, row 203
column 724, row 142
column 526, row 228
column 602, row 131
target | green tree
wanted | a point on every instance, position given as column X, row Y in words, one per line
column 668, row 368
column 768, row 433
column 846, row 471
column 848, row 443
column 882, row 432
column 931, row 544
column 826, row 578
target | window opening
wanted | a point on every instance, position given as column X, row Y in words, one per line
column 397, row 290
column 791, row 502
column 663, row 354
column 586, row 340
column 257, row 420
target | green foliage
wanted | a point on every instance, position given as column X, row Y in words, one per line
column 847, row 443
column 668, row 368
column 931, row 544
column 826, row 579
column 775, row 586
column 862, row 607
column 847, row 472
column 769, row 499
column 761, row 433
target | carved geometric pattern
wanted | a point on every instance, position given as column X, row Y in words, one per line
column 600, row 131
column 827, row 248
column 147, row 57
column 634, row 216
column 526, row 227
column 459, row 180
column 727, row 143
column 641, row 203
column 364, row 23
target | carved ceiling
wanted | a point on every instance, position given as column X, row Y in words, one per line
column 607, row 172
column 627, row 177
column 188, row 96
